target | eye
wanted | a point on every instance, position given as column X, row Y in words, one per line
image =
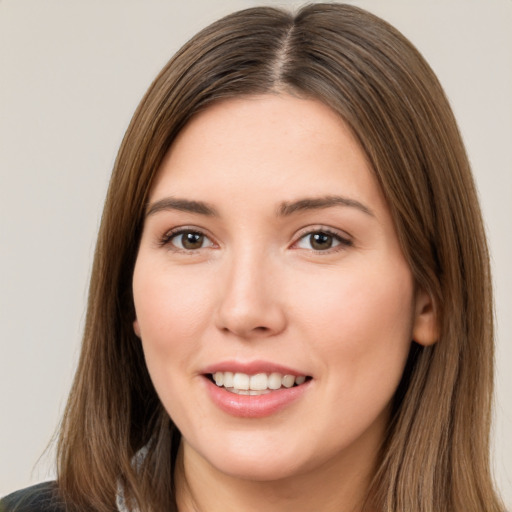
column 321, row 240
column 187, row 240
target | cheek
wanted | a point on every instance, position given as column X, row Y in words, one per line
column 169, row 307
column 170, row 314
column 361, row 324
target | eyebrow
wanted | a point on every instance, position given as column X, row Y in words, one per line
column 285, row 209
column 184, row 205
column 318, row 203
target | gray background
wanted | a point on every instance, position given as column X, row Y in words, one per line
column 71, row 74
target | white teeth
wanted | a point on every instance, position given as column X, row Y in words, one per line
column 274, row 380
column 262, row 392
column 249, row 391
column 288, row 381
column 258, row 384
column 228, row 379
column 241, row 381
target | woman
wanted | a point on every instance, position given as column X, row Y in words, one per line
column 290, row 303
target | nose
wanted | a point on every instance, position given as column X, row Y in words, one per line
column 250, row 305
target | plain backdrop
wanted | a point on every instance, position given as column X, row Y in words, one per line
column 71, row 75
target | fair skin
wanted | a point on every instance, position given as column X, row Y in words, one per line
column 250, row 278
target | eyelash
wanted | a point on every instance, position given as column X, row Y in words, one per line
column 342, row 242
column 168, row 237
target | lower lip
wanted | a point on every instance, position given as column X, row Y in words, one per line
column 254, row 406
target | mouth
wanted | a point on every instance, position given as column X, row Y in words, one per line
column 257, row 384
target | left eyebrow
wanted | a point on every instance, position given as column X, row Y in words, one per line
column 317, row 203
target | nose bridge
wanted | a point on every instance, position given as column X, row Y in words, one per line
column 249, row 305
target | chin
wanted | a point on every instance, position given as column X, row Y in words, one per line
column 252, row 460
column 259, row 469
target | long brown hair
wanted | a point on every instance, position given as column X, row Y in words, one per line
column 435, row 457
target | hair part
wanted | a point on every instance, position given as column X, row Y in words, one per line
column 435, row 457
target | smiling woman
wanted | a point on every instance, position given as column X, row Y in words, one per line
column 306, row 302
column 287, row 309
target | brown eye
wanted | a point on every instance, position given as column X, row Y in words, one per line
column 189, row 240
column 192, row 240
column 322, row 241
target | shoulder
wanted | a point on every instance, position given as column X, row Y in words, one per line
column 37, row 498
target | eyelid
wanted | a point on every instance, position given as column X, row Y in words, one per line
column 344, row 239
column 165, row 239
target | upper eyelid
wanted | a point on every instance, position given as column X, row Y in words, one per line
column 323, row 229
column 186, row 229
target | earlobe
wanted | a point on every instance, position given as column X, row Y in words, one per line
column 425, row 327
column 136, row 328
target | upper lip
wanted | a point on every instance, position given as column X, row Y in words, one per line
column 251, row 368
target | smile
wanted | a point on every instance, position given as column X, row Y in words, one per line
column 258, row 384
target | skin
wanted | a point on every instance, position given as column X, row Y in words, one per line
column 256, row 289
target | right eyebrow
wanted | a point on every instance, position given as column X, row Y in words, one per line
column 183, row 205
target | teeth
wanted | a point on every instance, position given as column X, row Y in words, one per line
column 249, row 391
column 258, row 384
column 300, row 380
column 241, row 381
column 228, row 379
column 288, row 381
column 275, row 381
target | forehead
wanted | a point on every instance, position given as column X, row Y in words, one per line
column 281, row 145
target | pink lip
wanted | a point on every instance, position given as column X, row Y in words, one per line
column 255, row 406
column 250, row 368
column 252, row 406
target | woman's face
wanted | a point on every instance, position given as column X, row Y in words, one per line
column 269, row 259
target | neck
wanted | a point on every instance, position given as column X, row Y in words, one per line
column 339, row 487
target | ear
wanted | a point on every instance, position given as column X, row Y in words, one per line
column 136, row 328
column 425, row 329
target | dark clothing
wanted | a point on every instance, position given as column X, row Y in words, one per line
column 37, row 498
